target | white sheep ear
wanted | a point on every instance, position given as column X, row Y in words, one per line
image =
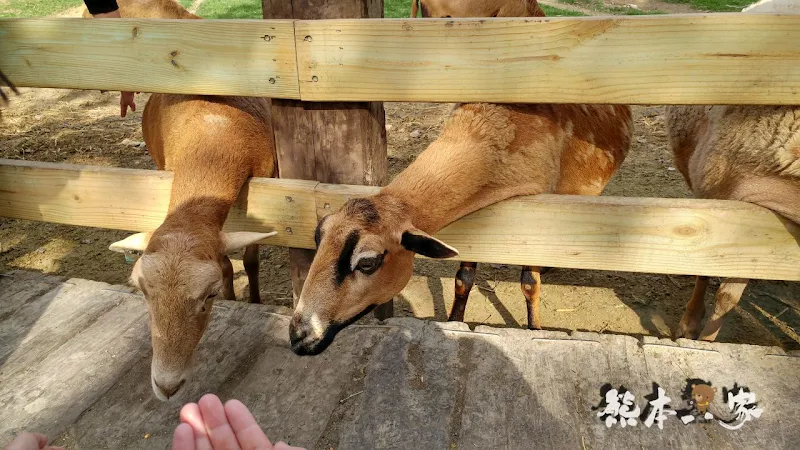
column 135, row 242
column 239, row 239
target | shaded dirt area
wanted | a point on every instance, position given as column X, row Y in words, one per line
column 83, row 127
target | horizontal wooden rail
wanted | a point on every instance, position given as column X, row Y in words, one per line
column 674, row 236
column 679, row 59
column 667, row 59
column 214, row 57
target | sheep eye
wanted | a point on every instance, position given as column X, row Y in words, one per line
column 205, row 305
column 369, row 265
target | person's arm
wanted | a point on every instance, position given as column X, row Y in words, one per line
column 108, row 9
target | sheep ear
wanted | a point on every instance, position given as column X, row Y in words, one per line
column 239, row 239
column 418, row 241
column 135, row 242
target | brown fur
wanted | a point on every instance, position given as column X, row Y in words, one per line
column 486, row 153
column 150, row 9
column 213, row 145
column 746, row 153
column 473, row 8
column 530, row 276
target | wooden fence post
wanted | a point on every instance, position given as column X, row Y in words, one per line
column 329, row 142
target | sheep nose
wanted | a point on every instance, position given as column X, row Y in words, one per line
column 168, row 391
column 298, row 332
column 306, row 336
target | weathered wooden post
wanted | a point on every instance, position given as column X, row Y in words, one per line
column 329, row 142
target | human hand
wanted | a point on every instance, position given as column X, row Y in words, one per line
column 208, row 424
column 31, row 441
column 126, row 100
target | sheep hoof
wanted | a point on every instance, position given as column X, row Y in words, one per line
column 689, row 329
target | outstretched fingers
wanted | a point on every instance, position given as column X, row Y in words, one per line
column 248, row 433
column 191, row 415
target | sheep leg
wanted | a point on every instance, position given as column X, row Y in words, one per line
column 728, row 296
column 227, row 279
column 250, row 261
column 689, row 326
column 465, row 278
column 530, row 281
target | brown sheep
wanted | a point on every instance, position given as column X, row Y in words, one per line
column 213, row 145
column 530, row 277
column 485, row 153
column 746, row 153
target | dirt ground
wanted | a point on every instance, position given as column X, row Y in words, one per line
column 84, row 127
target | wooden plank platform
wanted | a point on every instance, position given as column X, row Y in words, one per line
column 406, row 384
column 672, row 236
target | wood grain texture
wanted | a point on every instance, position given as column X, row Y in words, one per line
column 375, row 385
column 47, row 321
column 329, row 142
column 672, row 236
column 675, row 59
column 106, row 347
column 234, row 339
column 214, row 57
column 137, row 200
column 668, row 59
column 19, row 288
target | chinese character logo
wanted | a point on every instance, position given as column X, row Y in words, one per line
column 618, row 407
column 657, row 408
column 742, row 403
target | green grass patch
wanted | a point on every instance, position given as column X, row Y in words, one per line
column 397, row 9
column 715, row 5
column 622, row 11
column 186, row 3
column 230, row 9
column 35, row 8
column 558, row 12
column 599, row 6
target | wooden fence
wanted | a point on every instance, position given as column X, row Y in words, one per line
column 675, row 236
column 673, row 59
column 669, row 59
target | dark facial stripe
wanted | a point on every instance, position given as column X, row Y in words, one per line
column 343, row 264
column 318, row 232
